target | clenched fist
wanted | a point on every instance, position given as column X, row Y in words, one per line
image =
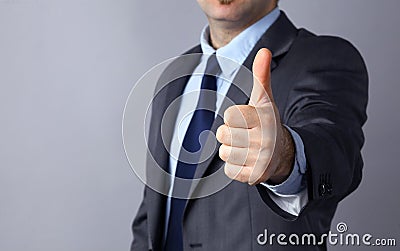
column 255, row 145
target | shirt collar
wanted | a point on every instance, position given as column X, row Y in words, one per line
column 232, row 56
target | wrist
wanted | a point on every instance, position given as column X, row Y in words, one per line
column 285, row 156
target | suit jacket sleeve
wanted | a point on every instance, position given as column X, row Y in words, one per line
column 326, row 106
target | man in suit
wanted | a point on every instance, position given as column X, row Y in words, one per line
column 289, row 139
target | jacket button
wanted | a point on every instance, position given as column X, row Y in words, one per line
column 328, row 189
column 322, row 189
column 325, row 189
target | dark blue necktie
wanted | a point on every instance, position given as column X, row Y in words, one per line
column 201, row 121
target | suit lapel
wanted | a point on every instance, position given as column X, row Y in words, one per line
column 169, row 87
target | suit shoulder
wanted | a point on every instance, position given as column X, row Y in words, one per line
column 326, row 51
column 326, row 45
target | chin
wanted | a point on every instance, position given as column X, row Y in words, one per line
column 226, row 11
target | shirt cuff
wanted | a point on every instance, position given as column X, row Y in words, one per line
column 295, row 182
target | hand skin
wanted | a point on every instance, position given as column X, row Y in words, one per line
column 249, row 147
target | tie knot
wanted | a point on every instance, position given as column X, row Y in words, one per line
column 212, row 67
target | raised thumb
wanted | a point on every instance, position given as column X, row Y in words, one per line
column 261, row 92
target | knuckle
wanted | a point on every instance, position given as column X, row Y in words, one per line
column 257, row 175
column 222, row 134
column 229, row 171
column 224, row 152
column 238, row 159
column 229, row 113
column 235, row 173
column 252, row 157
column 241, row 176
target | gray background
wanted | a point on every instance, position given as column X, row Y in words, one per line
column 66, row 69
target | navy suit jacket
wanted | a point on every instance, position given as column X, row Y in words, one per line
column 320, row 86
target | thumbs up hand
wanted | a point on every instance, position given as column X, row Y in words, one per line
column 255, row 145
